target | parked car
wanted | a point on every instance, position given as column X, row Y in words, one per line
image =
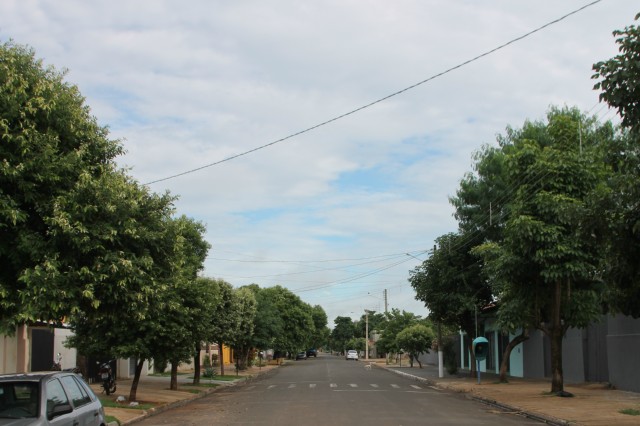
column 312, row 353
column 301, row 355
column 351, row 354
column 47, row 398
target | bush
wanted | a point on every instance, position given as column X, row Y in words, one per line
column 209, row 371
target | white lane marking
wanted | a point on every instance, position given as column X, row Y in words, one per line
column 395, row 386
column 271, row 386
column 292, row 385
column 353, row 385
column 312, row 385
column 374, row 385
column 416, row 387
column 333, row 385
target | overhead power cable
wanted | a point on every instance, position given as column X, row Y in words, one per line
column 406, row 89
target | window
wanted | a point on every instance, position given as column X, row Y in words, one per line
column 55, row 396
column 78, row 394
column 19, row 399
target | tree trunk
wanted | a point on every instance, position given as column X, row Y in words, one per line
column 507, row 353
column 196, row 364
column 174, row 375
column 136, row 379
column 221, row 358
column 555, row 335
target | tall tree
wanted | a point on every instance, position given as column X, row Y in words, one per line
column 619, row 208
column 54, row 153
column 554, row 170
column 242, row 341
column 451, row 286
column 397, row 321
column 619, row 77
column 343, row 331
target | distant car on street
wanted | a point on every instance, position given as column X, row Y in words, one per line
column 301, row 355
column 351, row 354
column 48, row 398
column 312, row 353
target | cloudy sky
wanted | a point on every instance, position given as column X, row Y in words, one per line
column 335, row 213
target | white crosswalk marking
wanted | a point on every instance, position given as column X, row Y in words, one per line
column 374, row 386
column 353, row 385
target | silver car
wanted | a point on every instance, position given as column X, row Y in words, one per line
column 351, row 354
column 48, row 398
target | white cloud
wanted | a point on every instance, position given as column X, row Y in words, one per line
column 186, row 84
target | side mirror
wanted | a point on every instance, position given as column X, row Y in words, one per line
column 59, row 410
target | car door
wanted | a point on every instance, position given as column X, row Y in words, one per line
column 87, row 410
column 57, row 398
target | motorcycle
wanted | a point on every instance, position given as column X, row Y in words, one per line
column 108, row 380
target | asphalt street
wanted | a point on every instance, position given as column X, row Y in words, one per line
column 331, row 390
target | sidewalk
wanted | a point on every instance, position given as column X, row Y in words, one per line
column 154, row 390
column 592, row 404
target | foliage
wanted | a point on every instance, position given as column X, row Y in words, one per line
column 242, row 341
column 342, row 333
column 396, row 322
column 620, row 77
column 285, row 323
column 415, row 340
column 70, row 229
column 548, row 260
column 450, row 284
column 619, row 207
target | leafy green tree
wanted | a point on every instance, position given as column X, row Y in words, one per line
column 619, row 77
column 226, row 318
column 242, row 342
column 415, row 340
column 269, row 323
column 396, row 322
column 205, row 310
column 548, row 231
column 451, row 286
column 321, row 331
column 618, row 208
column 343, row 331
column 69, row 237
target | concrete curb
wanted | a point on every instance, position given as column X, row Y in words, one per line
column 505, row 407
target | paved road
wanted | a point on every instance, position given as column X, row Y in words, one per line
column 330, row 390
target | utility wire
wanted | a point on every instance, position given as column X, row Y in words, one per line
column 406, row 89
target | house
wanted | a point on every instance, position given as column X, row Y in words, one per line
column 34, row 348
column 607, row 351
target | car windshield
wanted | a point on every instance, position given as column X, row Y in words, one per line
column 18, row 400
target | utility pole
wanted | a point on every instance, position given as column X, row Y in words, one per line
column 385, row 301
column 366, row 335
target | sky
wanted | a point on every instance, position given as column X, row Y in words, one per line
column 262, row 117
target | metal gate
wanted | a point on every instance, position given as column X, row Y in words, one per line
column 41, row 349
